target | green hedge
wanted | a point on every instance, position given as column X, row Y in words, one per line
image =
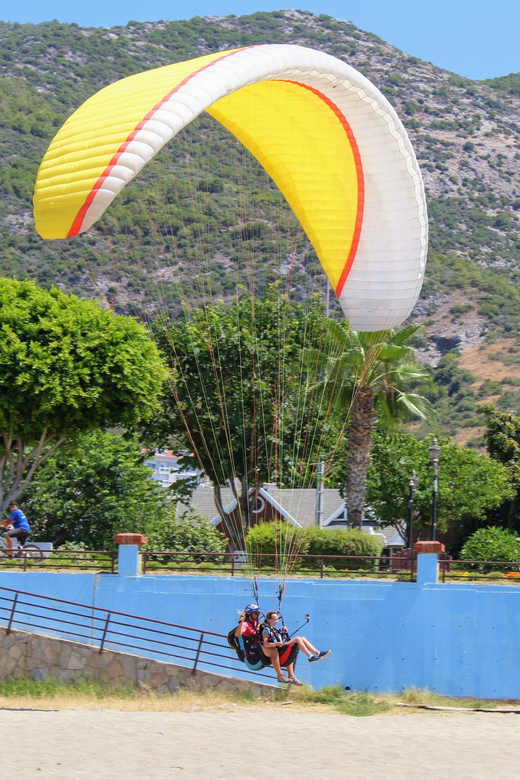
column 343, row 542
column 270, row 538
column 283, row 540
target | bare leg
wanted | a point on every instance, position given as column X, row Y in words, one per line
column 304, row 645
column 292, row 677
column 274, row 656
column 9, row 544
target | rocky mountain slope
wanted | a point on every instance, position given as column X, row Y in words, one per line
column 466, row 135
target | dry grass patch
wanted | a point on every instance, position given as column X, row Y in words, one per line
column 93, row 695
column 424, row 697
column 477, row 360
column 465, row 435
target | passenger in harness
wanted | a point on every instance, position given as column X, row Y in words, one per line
column 278, row 640
column 244, row 639
column 278, row 648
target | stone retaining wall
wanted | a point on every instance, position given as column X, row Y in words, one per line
column 35, row 656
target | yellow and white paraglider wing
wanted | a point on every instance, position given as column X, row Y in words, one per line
column 327, row 137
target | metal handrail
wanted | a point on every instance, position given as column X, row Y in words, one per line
column 101, row 627
column 106, row 560
column 101, row 560
column 379, row 562
column 478, row 569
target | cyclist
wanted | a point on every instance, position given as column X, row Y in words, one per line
column 17, row 527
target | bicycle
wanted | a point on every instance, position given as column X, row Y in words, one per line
column 29, row 552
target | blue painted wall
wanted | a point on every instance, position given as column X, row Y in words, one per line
column 384, row 636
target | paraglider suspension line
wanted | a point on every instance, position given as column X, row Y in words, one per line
column 254, row 589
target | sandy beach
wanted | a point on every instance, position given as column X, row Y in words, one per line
column 109, row 744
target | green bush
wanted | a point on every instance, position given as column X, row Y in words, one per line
column 283, row 540
column 80, row 546
column 189, row 532
column 491, row 544
column 321, row 541
column 294, row 542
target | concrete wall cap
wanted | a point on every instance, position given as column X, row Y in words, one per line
column 138, row 539
column 429, row 547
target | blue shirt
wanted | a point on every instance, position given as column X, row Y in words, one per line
column 19, row 520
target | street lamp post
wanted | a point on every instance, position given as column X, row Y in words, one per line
column 320, row 473
column 434, row 453
column 413, row 481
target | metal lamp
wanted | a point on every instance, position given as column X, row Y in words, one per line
column 434, row 452
column 413, row 481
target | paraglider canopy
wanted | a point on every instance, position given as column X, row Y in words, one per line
column 327, row 137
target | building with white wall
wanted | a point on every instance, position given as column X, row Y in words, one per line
column 166, row 468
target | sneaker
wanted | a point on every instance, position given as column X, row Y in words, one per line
column 295, row 681
column 282, row 679
column 322, row 655
column 314, row 658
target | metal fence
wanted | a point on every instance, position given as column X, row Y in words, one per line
column 74, row 560
column 401, row 566
column 231, row 564
column 265, row 564
column 480, row 571
column 193, row 648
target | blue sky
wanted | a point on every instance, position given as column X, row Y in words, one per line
column 475, row 38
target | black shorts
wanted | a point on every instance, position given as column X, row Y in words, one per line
column 22, row 534
column 288, row 654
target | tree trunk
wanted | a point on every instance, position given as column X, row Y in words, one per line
column 362, row 418
column 245, row 505
column 237, row 522
column 228, row 520
column 19, row 461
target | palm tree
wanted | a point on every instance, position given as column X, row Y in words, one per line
column 365, row 377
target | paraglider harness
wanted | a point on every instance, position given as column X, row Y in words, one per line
column 288, row 652
column 275, row 634
column 248, row 649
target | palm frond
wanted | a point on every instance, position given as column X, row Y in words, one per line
column 392, row 353
column 400, row 337
column 411, row 372
column 417, row 405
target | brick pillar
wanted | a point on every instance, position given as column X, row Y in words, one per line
column 428, row 561
column 128, row 561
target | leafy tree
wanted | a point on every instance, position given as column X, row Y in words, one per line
column 90, row 490
column 236, row 394
column 366, row 375
column 491, row 544
column 470, row 483
column 66, row 367
column 502, row 439
column 188, row 532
